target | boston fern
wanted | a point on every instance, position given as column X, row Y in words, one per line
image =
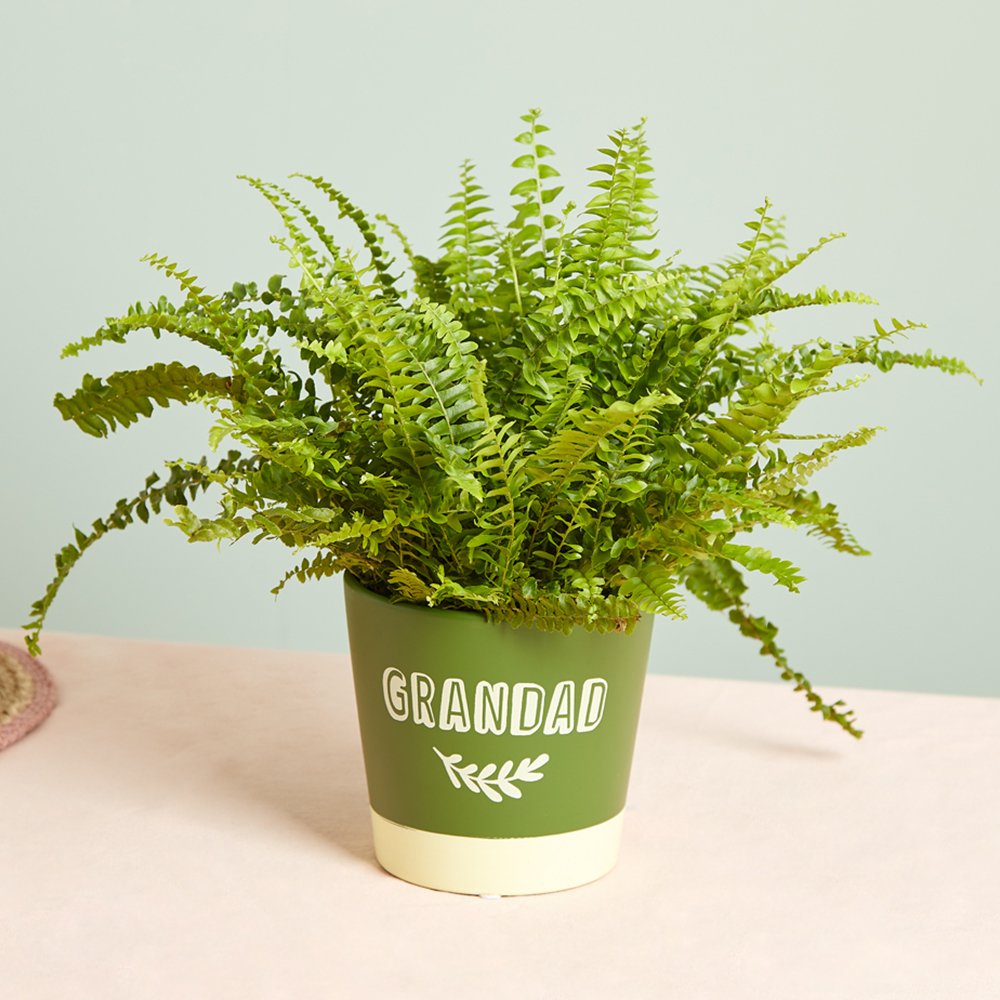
column 544, row 424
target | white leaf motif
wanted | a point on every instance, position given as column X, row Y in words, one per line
column 453, row 759
column 493, row 782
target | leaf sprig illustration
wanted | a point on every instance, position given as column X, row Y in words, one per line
column 494, row 782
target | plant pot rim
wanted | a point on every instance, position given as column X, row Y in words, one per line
column 443, row 614
column 350, row 580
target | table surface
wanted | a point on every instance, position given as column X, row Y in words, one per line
column 192, row 822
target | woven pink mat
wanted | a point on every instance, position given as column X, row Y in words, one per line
column 27, row 694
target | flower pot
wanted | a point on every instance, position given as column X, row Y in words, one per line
column 497, row 758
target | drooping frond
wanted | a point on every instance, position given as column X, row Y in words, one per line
column 822, row 520
column 719, row 586
column 885, row 361
column 157, row 317
column 795, row 472
column 759, row 560
column 180, row 486
column 298, row 245
column 101, row 405
column 317, row 567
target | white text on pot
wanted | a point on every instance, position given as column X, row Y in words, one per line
column 518, row 709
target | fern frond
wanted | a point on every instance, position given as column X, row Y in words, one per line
column 499, row 459
column 158, row 317
column 765, row 632
column 444, row 407
column 822, row 520
column 101, row 405
column 380, row 260
column 410, row 587
column 620, row 217
column 777, row 268
column 430, row 281
column 741, row 508
column 420, row 382
column 468, row 246
column 885, row 361
column 312, row 568
column 759, row 560
column 564, row 612
column 181, row 484
column 785, row 476
column 533, row 221
column 573, row 515
column 296, row 528
column 714, row 317
column 774, row 300
column 570, row 456
column 189, row 282
column 280, row 200
column 564, row 459
column 298, row 245
column 653, row 588
column 718, row 585
column 401, row 237
column 552, row 411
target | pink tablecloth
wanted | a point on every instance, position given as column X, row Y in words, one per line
column 191, row 823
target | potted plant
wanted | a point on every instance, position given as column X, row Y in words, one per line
column 518, row 454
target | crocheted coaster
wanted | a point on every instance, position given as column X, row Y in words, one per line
column 27, row 694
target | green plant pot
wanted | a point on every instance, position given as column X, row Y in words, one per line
column 497, row 758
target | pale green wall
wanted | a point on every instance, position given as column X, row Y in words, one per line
column 125, row 124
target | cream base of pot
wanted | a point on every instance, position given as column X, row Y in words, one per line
column 483, row 866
